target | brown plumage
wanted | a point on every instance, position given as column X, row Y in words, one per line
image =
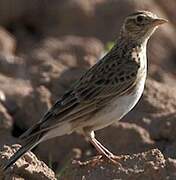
column 105, row 93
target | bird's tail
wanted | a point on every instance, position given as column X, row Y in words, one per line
column 28, row 145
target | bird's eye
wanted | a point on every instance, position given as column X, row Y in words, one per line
column 140, row 19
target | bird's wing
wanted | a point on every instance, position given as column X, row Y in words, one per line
column 93, row 91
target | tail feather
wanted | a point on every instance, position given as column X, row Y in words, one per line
column 20, row 152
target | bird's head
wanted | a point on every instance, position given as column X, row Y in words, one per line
column 141, row 25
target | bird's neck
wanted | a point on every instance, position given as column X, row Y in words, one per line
column 127, row 42
column 125, row 46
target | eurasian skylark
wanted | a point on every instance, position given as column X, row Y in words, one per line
column 104, row 94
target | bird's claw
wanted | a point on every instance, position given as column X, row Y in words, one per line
column 94, row 160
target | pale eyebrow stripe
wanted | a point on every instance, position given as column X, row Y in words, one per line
column 136, row 13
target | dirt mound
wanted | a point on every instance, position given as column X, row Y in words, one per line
column 145, row 166
column 28, row 167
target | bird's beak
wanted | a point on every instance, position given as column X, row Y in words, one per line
column 159, row 21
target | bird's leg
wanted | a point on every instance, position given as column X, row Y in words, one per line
column 100, row 148
column 110, row 154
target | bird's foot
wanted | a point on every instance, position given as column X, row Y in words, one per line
column 98, row 159
column 113, row 158
column 95, row 160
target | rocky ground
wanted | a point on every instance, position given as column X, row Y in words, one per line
column 44, row 48
column 146, row 166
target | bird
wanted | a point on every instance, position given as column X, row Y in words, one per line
column 104, row 94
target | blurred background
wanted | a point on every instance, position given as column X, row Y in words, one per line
column 46, row 45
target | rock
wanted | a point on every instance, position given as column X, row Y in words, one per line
column 6, row 127
column 160, row 75
column 125, row 138
column 5, row 119
column 13, row 66
column 59, row 149
column 27, row 167
column 2, row 96
column 146, row 166
column 7, row 42
column 171, row 165
column 6, row 138
column 57, row 63
column 32, row 107
column 14, row 90
column 160, row 97
column 162, row 127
